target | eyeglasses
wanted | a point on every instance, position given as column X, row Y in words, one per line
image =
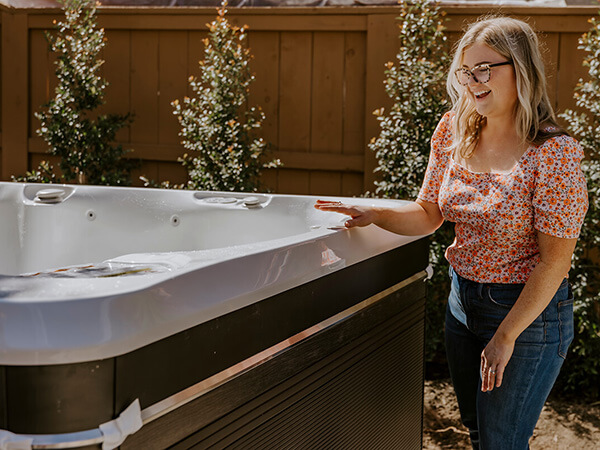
column 480, row 73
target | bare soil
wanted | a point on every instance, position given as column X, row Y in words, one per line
column 563, row 425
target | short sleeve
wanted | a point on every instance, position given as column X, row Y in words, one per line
column 560, row 198
column 438, row 160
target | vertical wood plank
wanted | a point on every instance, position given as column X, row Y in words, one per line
column 325, row 182
column 354, row 93
column 382, row 45
column 172, row 69
column 352, row 184
column 173, row 172
column 293, row 181
column 295, row 91
column 15, row 98
column 264, row 91
column 549, row 43
column 327, row 92
column 116, row 70
column 40, row 74
column 268, row 180
column 144, row 86
column 570, row 70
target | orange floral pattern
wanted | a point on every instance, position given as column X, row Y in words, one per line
column 496, row 215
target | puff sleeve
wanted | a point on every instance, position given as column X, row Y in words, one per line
column 438, row 160
column 560, row 198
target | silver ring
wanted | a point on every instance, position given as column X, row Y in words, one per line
column 492, row 371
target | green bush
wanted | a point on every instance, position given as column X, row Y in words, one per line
column 416, row 84
column 581, row 372
column 82, row 142
column 227, row 155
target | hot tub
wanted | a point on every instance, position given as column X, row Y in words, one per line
column 214, row 319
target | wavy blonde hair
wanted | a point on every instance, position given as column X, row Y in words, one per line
column 517, row 42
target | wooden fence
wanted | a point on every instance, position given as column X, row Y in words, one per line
column 319, row 75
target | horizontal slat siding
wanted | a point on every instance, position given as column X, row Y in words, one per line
column 319, row 76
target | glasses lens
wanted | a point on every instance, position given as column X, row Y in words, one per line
column 463, row 76
column 482, row 73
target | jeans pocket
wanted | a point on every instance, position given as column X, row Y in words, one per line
column 504, row 296
column 565, row 325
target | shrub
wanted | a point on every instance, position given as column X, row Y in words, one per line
column 227, row 155
column 416, row 84
column 67, row 122
column 581, row 372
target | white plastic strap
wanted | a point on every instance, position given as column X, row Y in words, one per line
column 116, row 431
column 11, row 441
column 429, row 271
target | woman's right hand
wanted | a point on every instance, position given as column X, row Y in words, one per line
column 361, row 215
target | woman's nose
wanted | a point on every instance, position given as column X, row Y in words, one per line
column 472, row 80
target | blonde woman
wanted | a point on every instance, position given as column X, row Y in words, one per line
column 509, row 177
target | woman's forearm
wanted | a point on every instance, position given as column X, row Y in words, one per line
column 544, row 281
column 412, row 219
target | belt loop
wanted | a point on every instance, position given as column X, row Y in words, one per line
column 480, row 287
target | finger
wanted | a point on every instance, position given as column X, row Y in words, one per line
column 327, row 203
column 488, row 374
column 499, row 376
column 354, row 223
column 330, row 205
column 491, row 379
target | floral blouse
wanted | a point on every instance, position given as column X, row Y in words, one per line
column 496, row 215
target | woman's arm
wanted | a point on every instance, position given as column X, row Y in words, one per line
column 545, row 279
column 414, row 219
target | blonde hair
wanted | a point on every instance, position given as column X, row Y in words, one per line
column 518, row 43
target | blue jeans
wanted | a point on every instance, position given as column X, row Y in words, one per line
column 504, row 418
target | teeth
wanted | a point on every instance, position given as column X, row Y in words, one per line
column 477, row 94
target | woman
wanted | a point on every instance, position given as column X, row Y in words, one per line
column 509, row 177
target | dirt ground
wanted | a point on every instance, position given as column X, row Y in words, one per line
column 562, row 426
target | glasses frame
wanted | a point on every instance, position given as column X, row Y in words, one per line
column 470, row 73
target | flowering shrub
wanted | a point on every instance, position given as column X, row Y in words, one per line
column 582, row 368
column 67, row 124
column 226, row 155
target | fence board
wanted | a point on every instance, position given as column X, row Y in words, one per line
column 325, row 183
column 295, row 91
column 15, row 94
column 116, row 70
column 144, row 86
column 39, row 77
column 264, row 91
column 293, row 181
column 172, row 82
column 550, row 51
column 327, row 92
column 353, row 93
column 352, row 184
column 382, row 43
column 172, row 171
column 570, row 69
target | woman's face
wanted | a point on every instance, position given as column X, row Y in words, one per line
column 497, row 97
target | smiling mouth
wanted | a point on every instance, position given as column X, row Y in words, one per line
column 481, row 94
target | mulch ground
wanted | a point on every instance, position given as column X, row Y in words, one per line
column 563, row 425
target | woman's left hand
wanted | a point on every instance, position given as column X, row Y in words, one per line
column 494, row 358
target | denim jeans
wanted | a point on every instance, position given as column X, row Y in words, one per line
column 504, row 418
